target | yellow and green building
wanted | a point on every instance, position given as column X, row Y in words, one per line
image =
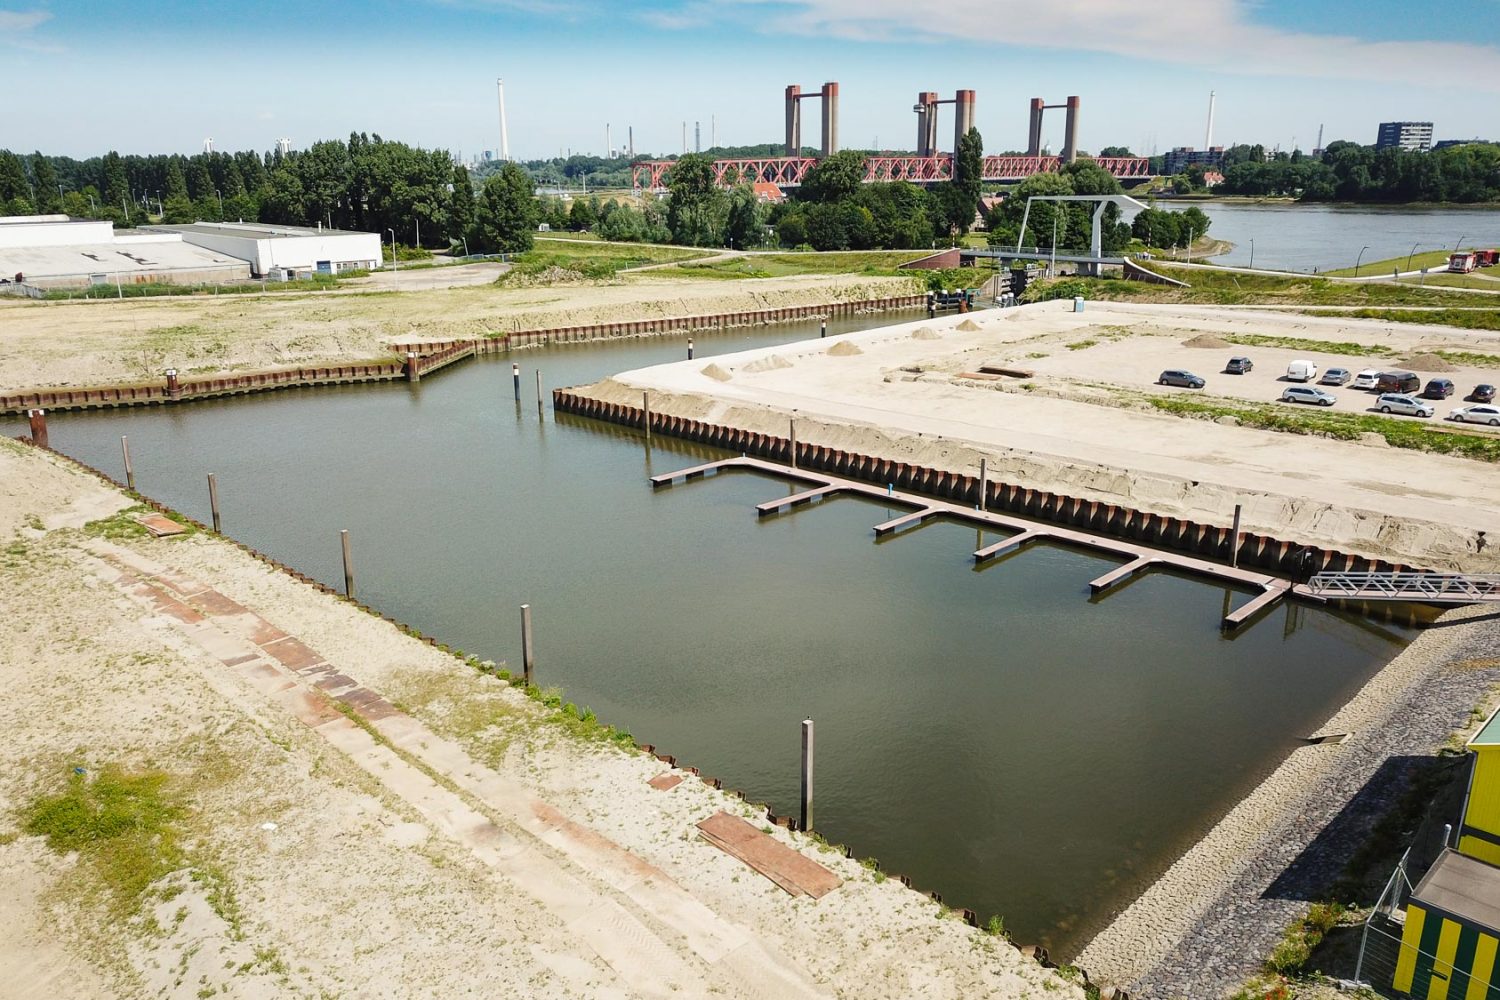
column 1452, row 931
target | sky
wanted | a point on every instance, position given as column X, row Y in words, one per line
column 85, row 77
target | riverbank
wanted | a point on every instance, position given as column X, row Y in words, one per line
column 88, row 343
column 1078, row 417
column 360, row 813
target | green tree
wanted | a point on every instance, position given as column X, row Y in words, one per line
column 834, row 178
column 746, row 226
column 461, row 203
column 44, row 179
column 581, row 215
column 960, row 197
column 696, row 209
column 15, row 192
column 174, row 184
column 506, row 215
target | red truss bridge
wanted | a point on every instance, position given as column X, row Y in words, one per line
column 788, row 171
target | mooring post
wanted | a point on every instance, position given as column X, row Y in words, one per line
column 823, row 329
column 515, row 378
column 348, row 564
column 690, row 348
column 646, row 415
column 1234, row 541
column 213, row 500
column 931, row 305
column 792, row 442
column 528, row 657
column 172, row 382
column 412, row 373
column 38, row 420
column 984, row 485
column 129, row 469
column 539, row 390
column 806, row 822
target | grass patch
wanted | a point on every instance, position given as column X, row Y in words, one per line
column 1297, row 943
column 1427, row 258
column 1228, row 288
column 124, row 825
column 870, row 263
column 1304, row 344
column 1081, row 345
column 1341, row 426
column 122, row 526
column 593, row 260
column 1466, row 319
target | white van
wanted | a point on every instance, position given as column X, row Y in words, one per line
column 1301, row 371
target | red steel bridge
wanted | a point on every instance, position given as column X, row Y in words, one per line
column 788, row 171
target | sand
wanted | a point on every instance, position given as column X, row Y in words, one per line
column 105, row 341
column 463, row 844
column 1428, row 363
column 1208, row 340
column 1081, row 426
column 844, row 349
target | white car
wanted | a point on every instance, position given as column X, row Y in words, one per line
column 1307, row 394
column 1395, row 402
column 1482, row 413
column 1366, row 379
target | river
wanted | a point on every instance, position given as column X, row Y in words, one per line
column 1297, row 237
column 995, row 734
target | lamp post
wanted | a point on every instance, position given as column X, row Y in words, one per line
column 219, row 196
column 1358, row 259
column 1412, row 254
column 418, row 223
column 394, row 266
column 1252, row 253
column 1458, row 244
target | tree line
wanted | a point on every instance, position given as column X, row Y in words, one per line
column 419, row 197
column 1347, row 171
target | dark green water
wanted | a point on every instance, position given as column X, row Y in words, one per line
column 993, row 734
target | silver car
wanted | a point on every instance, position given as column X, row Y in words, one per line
column 1483, row 413
column 1308, row 394
column 1397, row 402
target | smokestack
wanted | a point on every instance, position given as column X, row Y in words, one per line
column 697, row 137
column 684, row 137
column 504, row 138
column 1208, row 135
column 713, row 126
column 630, row 133
column 609, row 150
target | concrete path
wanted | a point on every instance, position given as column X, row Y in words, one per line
column 631, row 924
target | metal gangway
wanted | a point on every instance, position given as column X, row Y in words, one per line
column 1428, row 588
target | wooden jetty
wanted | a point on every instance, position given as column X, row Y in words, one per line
column 1270, row 589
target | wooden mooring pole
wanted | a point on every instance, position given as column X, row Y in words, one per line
column 1234, row 541
column 515, row 378
column 129, row 469
column 646, row 415
column 984, row 485
column 539, row 390
column 213, row 500
column 690, row 348
column 528, row 655
column 348, row 564
column 792, row 442
column 805, row 822
column 38, row 425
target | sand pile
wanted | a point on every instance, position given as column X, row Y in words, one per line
column 926, row 333
column 968, row 326
column 769, row 363
column 1207, row 340
column 844, row 349
column 1428, row 363
column 717, row 373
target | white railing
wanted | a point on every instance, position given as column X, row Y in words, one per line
column 1447, row 588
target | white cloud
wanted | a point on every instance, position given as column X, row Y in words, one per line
column 17, row 29
column 1217, row 34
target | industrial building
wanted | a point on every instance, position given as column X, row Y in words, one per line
column 1415, row 137
column 284, row 252
column 55, row 251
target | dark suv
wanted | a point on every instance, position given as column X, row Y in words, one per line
column 1398, row 382
column 1438, row 388
column 1238, row 366
column 1483, row 393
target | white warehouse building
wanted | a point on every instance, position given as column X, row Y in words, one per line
column 285, row 252
column 54, row 251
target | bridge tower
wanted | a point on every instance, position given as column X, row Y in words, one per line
column 829, row 138
column 927, row 124
column 1070, row 136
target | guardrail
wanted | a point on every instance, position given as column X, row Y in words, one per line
column 1437, row 588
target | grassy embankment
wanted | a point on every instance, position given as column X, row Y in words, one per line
column 873, row 263
column 1427, row 258
column 592, row 259
column 1228, row 288
column 1467, row 319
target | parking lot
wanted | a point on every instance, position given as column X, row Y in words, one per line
column 1137, row 360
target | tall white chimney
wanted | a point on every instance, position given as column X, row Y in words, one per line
column 504, row 138
column 609, row 151
column 1208, row 136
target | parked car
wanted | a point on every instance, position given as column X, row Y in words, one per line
column 1395, row 402
column 1238, row 366
column 1301, row 370
column 1177, row 376
column 1336, row 376
column 1438, row 388
column 1484, row 413
column 1483, row 393
column 1366, row 379
column 1398, row 382
column 1307, row 394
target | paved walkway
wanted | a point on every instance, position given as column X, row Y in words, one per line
column 642, row 931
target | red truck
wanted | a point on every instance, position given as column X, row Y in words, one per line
column 1463, row 263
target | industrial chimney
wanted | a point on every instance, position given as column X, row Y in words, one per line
column 504, row 138
column 1208, row 135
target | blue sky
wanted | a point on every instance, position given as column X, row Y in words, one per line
column 83, row 77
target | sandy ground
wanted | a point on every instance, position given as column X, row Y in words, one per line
column 1078, row 426
column 101, row 342
column 463, row 843
column 413, row 279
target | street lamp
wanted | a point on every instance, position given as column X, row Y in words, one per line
column 394, row 266
column 1458, row 244
column 1358, row 259
column 418, row 223
column 1252, row 253
column 221, row 200
column 1412, row 254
